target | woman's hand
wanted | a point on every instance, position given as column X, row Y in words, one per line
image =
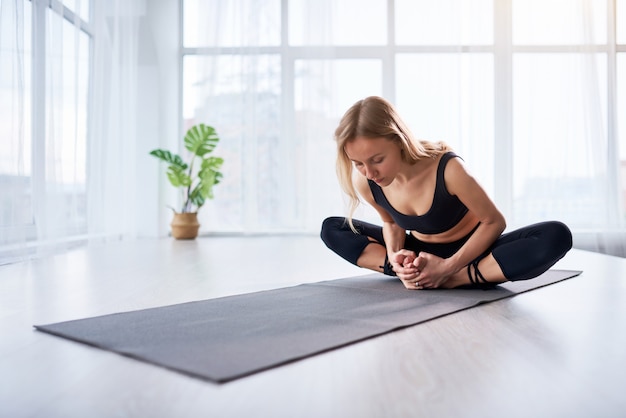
column 402, row 263
column 431, row 271
column 423, row 271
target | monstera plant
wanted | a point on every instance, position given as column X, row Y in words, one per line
column 194, row 178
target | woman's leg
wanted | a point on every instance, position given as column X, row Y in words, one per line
column 356, row 248
column 530, row 251
column 517, row 255
column 481, row 273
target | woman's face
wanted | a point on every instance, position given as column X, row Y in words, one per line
column 378, row 159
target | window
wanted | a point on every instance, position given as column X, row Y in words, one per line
column 44, row 85
column 527, row 91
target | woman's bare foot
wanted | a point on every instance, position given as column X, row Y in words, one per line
column 488, row 268
column 460, row 278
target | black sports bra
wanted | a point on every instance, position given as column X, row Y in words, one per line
column 445, row 212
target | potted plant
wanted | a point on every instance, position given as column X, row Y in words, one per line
column 195, row 179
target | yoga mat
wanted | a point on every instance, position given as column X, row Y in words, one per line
column 231, row 337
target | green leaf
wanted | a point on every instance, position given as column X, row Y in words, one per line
column 201, row 139
column 197, row 197
column 213, row 163
column 218, row 177
column 170, row 158
column 178, row 177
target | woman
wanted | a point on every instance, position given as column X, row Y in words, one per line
column 440, row 228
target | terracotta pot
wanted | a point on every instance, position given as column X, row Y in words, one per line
column 185, row 225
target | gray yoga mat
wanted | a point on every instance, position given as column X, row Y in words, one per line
column 227, row 338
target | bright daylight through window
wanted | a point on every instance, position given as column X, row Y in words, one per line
column 44, row 87
column 527, row 91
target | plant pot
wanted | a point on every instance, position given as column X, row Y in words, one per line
column 185, row 225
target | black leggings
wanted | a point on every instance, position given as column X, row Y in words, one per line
column 521, row 254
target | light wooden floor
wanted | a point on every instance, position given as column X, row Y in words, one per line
column 558, row 351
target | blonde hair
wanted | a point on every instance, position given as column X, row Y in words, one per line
column 375, row 117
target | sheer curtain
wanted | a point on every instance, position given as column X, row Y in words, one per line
column 238, row 88
column 111, row 185
column 268, row 75
column 15, row 87
column 565, row 144
column 66, row 109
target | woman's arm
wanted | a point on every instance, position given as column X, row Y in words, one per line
column 492, row 223
column 394, row 238
column 434, row 270
column 401, row 260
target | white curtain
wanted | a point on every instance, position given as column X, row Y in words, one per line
column 15, row 165
column 566, row 158
column 111, row 185
column 67, row 102
column 274, row 108
column 241, row 95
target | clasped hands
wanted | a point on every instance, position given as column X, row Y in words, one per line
column 419, row 271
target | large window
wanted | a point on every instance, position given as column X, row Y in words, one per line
column 527, row 91
column 44, row 79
